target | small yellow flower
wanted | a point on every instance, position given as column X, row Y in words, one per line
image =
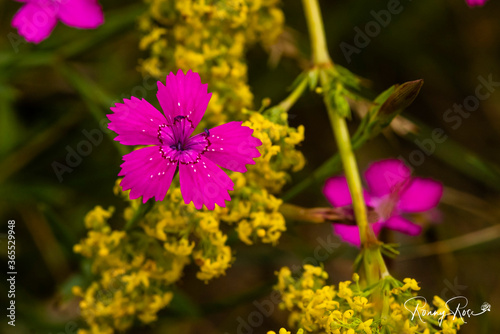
column 410, row 283
column 348, row 314
column 408, row 329
column 261, row 233
column 365, row 326
column 344, row 290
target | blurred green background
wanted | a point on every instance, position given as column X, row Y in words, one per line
column 50, row 93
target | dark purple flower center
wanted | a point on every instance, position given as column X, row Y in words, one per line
column 177, row 147
column 176, row 143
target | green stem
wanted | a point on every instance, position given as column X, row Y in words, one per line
column 343, row 139
column 316, row 32
column 287, row 103
column 381, row 265
column 339, row 125
column 374, row 264
column 142, row 210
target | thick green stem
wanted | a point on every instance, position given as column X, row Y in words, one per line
column 375, row 267
column 316, row 32
column 339, row 125
column 343, row 139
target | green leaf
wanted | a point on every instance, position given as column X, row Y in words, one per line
column 313, row 77
column 336, row 99
column 342, row 105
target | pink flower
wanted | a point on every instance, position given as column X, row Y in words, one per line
column 148, row 172
column 392, row 193
column 474, row 3
column 36, row 19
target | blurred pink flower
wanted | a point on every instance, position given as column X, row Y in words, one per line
column 474, row 3
column 37, row 18
column 392, row 193
column 148, row 172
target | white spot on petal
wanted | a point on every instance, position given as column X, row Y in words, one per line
column 208, row 175
column 179, row 104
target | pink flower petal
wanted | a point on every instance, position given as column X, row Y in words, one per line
column 35, row 22
column 377, row 227
column 403, row 225
column 421, row 195
column 347, row 233
column 136, row 122
column 184, row 95
column 337, row 192
column 204, row 183
column 232, row 146
column 147, row 174
column 350, row 233
column 85, row 14
column 384, row 177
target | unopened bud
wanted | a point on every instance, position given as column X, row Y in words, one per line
column 401, row 98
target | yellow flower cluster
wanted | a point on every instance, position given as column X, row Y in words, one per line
column 348, row 309
column 209, row 37
column 284, row 331
column 130, row 285
column 254, row 206
column 278, row 150
column 141, row 264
